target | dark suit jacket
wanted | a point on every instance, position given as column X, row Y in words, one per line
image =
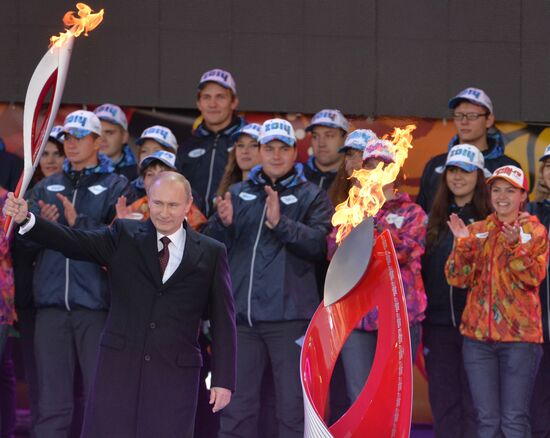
column 149, row 359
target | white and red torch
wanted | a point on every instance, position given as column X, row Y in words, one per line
column 49, row 76
column 362, row 275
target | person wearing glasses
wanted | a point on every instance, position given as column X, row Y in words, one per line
column 474, row 120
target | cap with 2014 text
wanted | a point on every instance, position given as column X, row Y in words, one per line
column 81, row 123
column 277, row 129
column 331, row 118
column 112, row 114
column 472, row 95
column 220, row 77
column 161, row 134
column 465, row 156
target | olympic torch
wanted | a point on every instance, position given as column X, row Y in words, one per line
column 363, row 273
column 49, row 76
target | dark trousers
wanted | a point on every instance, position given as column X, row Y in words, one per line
column 275, row 343
column 358, row 356
column 501, row 377
column 61, row 339
column 540, row 403
column 449, row 393
column 4, row 330
column 7, row 392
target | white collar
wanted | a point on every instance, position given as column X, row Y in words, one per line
column 177, row 238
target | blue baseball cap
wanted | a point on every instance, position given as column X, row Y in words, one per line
column 357, row 140
column 161, row 134
column 277, row 129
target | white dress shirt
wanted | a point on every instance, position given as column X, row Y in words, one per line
column 175, row 248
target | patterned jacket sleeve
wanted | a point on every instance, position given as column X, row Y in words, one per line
column 527, row 261
column 461, row 265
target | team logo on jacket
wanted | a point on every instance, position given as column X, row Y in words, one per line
column 395, row 219
column 482, row 235
column 55, row 188
column 289, row 199
column 247, row 196
column 96, row 190
column 525, row 237
column 196, row 153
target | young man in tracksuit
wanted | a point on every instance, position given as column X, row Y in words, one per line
column 274, row 225
column 328, row 130
column 71, row 296
column 203, row 156
column 474, row 119
column 114, row 140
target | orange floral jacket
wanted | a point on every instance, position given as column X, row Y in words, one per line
column 503, row 302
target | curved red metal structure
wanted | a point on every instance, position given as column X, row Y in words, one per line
column 383, row 409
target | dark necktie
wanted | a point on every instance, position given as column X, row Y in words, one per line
column 164, row 254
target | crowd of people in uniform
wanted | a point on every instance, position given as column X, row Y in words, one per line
column 472, row 249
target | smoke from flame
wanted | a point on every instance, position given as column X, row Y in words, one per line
column 366, row 196
column 86, row 21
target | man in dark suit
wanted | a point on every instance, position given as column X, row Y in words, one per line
column 165, row 278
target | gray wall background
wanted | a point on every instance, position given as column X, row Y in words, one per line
column 371, row 57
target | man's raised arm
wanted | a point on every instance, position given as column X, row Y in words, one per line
column 92, row 246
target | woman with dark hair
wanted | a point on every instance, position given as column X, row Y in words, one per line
column 242, row 158
column 540, row 404
column 502, row 260
column 462, row 190
column 53, row 156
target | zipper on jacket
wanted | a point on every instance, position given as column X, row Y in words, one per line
column 251, row 279
column 491, row 287
column 321, row 181
column 67, row 266
column 210, row 174
column 452, row 306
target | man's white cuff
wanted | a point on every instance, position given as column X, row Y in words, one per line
column 28, row 226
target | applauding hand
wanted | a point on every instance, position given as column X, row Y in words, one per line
column 68, row 210
column 457, row 226
column 273, row 212
column 225, row 209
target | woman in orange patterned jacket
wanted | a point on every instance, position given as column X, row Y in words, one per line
column 502, row 260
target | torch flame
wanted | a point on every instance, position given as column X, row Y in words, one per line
column 85, row 22
column 366, row 197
